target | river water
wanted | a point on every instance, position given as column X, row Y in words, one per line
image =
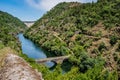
column 32, row 50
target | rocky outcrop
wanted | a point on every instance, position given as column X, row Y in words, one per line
column 15, row 68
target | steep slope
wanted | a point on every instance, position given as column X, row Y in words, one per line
column 8, row 20
column 68, row 21
column 89, row 32
column 9, row 27
column 12, row 67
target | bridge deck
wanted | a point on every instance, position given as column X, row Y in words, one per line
column 52, row 59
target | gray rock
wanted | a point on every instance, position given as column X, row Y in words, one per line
column 15, row 68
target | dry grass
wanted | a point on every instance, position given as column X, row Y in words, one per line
column 107, row 54
column 4, row 52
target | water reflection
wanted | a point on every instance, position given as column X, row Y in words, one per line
column 32, row 50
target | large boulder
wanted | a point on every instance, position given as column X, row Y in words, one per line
column 15, row 68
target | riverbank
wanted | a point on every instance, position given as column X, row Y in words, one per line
column 33, row 51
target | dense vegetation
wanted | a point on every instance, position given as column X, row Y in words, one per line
column 9, row 27
column 89, row 32
column 96, row 73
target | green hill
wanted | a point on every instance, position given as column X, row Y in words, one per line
column 89, row 32
column 9, row 27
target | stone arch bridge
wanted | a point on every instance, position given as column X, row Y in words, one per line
column 57, row 60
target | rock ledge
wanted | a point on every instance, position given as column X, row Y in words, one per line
column 15, row 68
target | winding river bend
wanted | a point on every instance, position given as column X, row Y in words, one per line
column 32, row 50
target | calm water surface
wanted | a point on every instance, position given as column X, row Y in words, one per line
column 32, row 50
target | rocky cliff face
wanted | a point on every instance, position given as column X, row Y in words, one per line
column 15, row 68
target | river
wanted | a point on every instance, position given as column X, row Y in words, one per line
column 32, row 50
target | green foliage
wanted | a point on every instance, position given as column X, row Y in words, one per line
column 95, row 73
column 113, row 40
column 99, row 34
column 68, row 19
column 67, row 29
column 1, row 45
column 84, row 62
column 14, row 23
column 9, row 27
column 101, row 47
column 96, row 51
column 118, row 46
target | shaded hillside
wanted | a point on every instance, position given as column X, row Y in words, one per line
column 9, row 27
column 12, row 67
column 89, row 32
column 13, row 22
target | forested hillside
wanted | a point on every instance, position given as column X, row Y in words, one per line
column 9, row 27
column 12, row 66
column 89, row 32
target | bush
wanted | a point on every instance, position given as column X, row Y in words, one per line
column 101, row 46
column 98, row 34
column 96, row 51
column 118, row 49
column 1, row 45
column 113, row 40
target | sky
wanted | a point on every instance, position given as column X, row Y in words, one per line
column 31, row 10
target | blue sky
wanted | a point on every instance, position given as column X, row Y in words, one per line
column 30, row 10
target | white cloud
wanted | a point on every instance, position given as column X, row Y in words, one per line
column 48, row 4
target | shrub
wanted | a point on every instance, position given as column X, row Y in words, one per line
column 101, row 46
column 96, row 51
column 113, row 40
column 118, row 49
